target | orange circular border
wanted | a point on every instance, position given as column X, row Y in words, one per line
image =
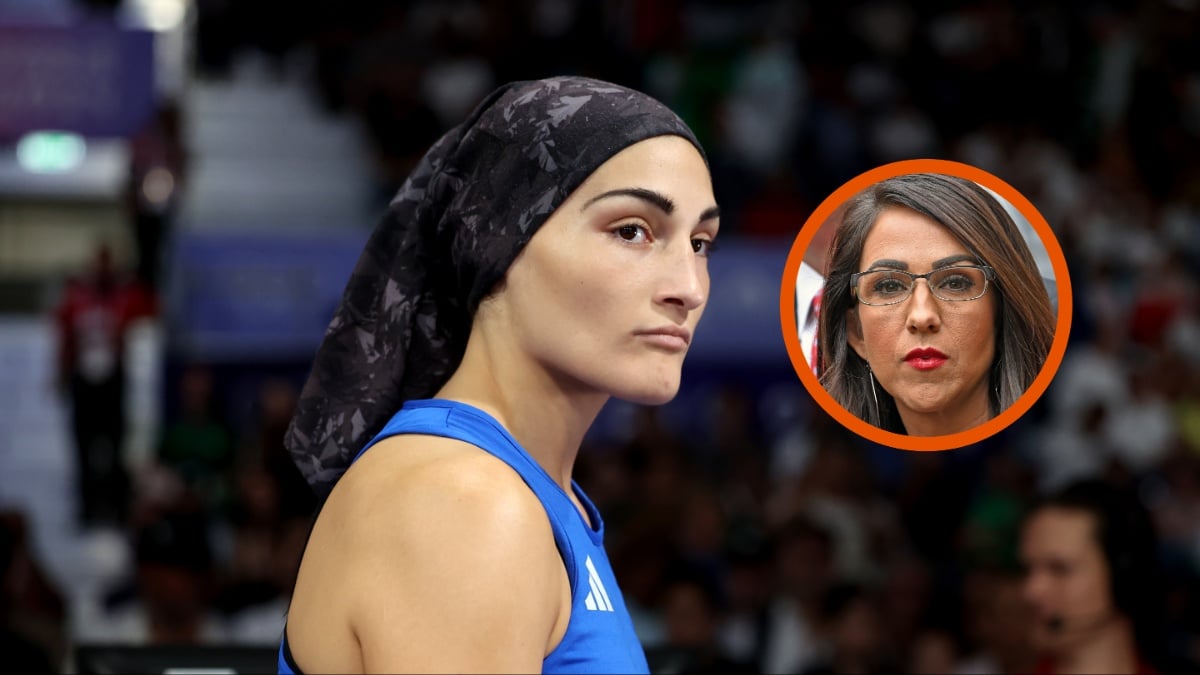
column 791, row 337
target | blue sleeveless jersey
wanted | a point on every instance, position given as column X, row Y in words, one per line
column 600, row 636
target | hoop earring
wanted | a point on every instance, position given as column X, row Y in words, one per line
column 871, row 374
column 996, row 377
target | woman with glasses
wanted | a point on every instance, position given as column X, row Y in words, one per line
column 934, row 317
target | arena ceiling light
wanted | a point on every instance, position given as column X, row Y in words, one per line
column 51, row 151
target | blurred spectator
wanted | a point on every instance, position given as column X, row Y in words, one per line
column 762, row 111
column 1168, row 292
column 932, row 500
column 402, row 126
column 157, row 175
column 1091, row 382
column 771, row 210
column 257, row 582
column 170, row 598
column 995, row 624
column 1092, row 580
column 659, row 461
column 261, row 448
column 853, row 633
column 197, row 444
column 992, row 523
column 700, row 535
column 400, row 123
column 906, row 599
column 742, row 633
column 1177, row 511
column 730, row 455
column 1173, row 495
column 804, row 572
column 271, row 514
column 835, row 491
column 604, row 473
column 1141, row 432
column 641, row 557
column 458, row 75
column 691, row 608
column 93, row 319
column 933, row 650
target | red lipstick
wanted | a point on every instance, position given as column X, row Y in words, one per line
column 925, row 358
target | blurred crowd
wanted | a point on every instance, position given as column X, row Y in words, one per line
column 745, row 541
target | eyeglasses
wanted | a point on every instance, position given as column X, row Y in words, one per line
column 953, row 284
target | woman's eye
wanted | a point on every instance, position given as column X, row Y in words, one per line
column 890, row 286
column 957, row 283
column 704, row 247
column 632, row 233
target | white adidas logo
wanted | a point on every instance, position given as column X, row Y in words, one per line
column 597, row 600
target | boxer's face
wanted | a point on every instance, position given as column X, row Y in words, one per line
column 607, row 294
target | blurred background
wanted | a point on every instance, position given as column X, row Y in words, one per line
column 186, row 184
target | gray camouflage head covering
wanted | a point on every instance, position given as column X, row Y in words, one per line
column 450, row 234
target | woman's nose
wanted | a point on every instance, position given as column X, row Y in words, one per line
column 924, row 314
column 686, row 279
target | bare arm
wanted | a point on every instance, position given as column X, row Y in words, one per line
column 445, row 566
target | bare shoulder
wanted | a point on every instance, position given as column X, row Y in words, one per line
column 427, row 548
column 403, row 473
column 420, row 496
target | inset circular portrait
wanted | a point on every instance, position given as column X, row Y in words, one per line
column 926, row 305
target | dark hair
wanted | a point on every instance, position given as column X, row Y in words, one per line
column 1024, row 323
column 448, row 238
column 1125, row 533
